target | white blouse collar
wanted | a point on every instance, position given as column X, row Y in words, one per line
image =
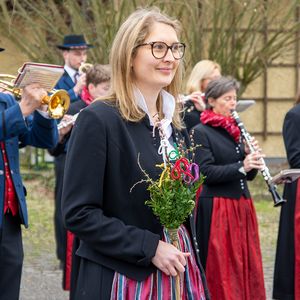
column 168, row 104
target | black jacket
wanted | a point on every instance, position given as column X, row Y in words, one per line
column 191, row 116
column 220, row 158
column 116, row 228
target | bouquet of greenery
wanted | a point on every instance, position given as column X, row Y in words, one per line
column 172, row 196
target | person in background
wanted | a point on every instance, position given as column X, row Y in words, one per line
column 97, row 85
column 286, row 285
column 74, row 51
column 203, row 72
column 122, row 252
column 226, row 224
column 21, row 123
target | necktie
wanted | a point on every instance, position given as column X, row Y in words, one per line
column 76, row 77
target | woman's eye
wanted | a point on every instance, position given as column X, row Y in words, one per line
column 159, row 46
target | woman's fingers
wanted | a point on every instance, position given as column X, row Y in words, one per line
column 169, row 259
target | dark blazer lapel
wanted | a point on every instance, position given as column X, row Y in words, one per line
column 68, row 81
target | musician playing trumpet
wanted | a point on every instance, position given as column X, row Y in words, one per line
column 227, row 229
column 21, row 123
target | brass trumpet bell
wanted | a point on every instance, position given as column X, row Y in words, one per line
column 58, row 101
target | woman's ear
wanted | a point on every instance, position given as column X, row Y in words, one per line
column 211, row 102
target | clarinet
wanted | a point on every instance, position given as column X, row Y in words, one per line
column 278, row 200
column 64, row 124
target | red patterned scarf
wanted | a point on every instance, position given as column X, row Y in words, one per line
column 216, row 120
column 86, row 96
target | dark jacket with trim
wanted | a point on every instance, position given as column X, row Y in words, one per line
column 220, row 158
column 16, row 132
column 115, row 227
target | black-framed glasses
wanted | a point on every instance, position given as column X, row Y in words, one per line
column 160, row 49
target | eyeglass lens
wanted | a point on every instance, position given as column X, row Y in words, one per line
column 160, row 49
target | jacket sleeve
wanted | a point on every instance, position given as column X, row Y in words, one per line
column 84, row 201
column 34, row 130
column 204, row 157
column 291, row 127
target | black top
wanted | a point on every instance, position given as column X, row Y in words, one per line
column 284, row 272
column 191, row 116
column 220, row 158
column 116, row 228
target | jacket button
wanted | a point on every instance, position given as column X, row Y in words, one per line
column 11, row 171
column 1, row 172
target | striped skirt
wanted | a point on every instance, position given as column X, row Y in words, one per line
column 159, row 286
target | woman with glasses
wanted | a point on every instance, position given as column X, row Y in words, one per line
column 122, row 253
column 227, row 230
column 203, row 72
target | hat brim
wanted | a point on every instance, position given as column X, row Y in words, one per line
column 2, row 49
column 74, row 47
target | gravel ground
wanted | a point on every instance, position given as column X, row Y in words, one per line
column 42, row 281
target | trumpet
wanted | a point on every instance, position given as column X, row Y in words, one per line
column 278, row 200
column 64, row 124
column 84, row 67
column 58, row 101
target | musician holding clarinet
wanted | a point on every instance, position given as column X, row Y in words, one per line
column 227, row 229
column 97, row 84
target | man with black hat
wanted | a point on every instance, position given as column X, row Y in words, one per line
column 74, row 51
column 21, row 123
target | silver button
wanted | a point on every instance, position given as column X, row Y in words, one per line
column 1, row 172
column 11, row 171
column 195, row 238
column 197, row 250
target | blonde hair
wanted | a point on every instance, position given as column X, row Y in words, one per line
column 132, row 33
column 202, row 70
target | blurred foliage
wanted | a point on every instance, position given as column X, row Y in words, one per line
column 243, row 36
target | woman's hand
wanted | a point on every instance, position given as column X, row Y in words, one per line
column 254, row 161
column 254, row 144
column 196, row 97
column 169, row 259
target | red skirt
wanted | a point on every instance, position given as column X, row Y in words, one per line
column 234, row 263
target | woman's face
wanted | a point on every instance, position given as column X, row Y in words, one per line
column 149, row 72
column 224, row 104
column 205, row 81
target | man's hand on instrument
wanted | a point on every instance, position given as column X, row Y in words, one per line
column 31, row 99
column 81, row 83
